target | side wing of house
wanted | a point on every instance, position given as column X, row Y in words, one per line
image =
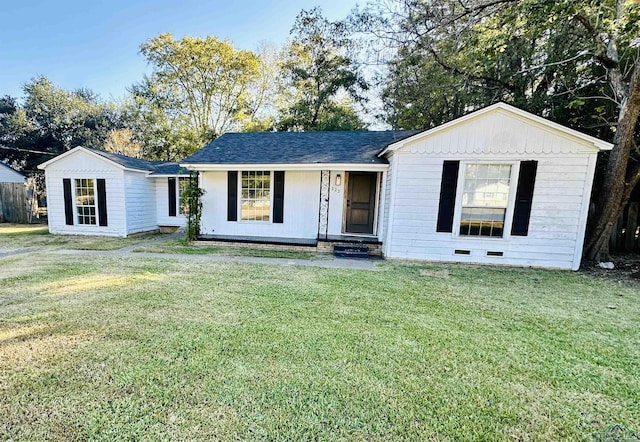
column 496, row 189
column 140, row 202
column 170, row 211
column 8, row 175
column 85, row 196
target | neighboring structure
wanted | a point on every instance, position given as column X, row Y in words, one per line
column 9, row 175
column 16, row 201
column 498, row 186
column 93, row 192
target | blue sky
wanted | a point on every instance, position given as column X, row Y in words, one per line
column 94, row 44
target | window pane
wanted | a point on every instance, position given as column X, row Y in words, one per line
column 85, row 201
column 486, row 185
column 255, row 196
column 482, row 222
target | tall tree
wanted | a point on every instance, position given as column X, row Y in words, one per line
column 52, row 120
column 208, row 79
column 575, row 61
column 323, row 80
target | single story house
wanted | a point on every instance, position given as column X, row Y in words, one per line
column 93, row 192
column 9, row 175
column 497, row 186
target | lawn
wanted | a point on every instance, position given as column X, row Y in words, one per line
column 126, row 348
column 27, row 236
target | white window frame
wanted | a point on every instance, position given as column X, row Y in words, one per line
column 179, row 194
column 508, row 216
column 95, row 202
column 239, row 208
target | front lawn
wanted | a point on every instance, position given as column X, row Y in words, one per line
column 106, row 347
column 32, row 236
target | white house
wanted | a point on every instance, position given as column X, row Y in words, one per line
column 9, row 175
column 93, row 192
column 499, row 186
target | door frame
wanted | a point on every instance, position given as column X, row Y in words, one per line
column 376, row 203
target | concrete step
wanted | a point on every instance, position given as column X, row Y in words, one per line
column 350, row 251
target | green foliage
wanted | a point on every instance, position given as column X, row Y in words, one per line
column 52, row 120
column 319, row 70
column 199, row 89
column 191, row 198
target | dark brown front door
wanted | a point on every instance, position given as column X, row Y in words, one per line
column 361, row 195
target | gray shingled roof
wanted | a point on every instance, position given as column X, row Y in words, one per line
column 156, row 167
column 2, row 163
column 349, row 147
column 169, row 169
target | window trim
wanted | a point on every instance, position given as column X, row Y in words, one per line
column 239, row 204
column 74, row 187
column 179, row 211
column 508, row 216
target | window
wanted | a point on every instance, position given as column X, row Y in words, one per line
column 183, row 182
column 85, row 201
column 484, row 199
column 255, row 201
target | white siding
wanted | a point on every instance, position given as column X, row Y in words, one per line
column 301, row 208
column 140, row 197
column 162, row 204
column 83, row 165
column 561, row 196
column 8, row 175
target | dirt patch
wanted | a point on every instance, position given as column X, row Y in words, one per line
column 32, row 345
column 626, row 271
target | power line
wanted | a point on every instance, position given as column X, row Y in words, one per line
column 28, row 150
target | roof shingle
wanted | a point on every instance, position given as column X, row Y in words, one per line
column 347, row 147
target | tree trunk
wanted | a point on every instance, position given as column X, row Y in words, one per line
column 613, row 195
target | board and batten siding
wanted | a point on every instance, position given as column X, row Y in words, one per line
column 81, row 165
column 162, row 204
column 560, row 200
column 140, row 197
column 8, row 175
column 301, row 208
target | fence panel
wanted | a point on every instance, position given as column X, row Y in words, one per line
column 15, row 203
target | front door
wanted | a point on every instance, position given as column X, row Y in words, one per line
column 361, row 195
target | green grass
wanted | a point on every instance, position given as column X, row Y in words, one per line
column 125, row 348
column 179, row 246
column 25, row 236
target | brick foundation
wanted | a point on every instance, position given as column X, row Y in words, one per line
column 321, row 247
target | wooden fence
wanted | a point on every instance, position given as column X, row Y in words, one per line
column 626, row 237
column 16, row 203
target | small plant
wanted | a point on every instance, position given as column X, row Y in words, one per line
column 191, row 198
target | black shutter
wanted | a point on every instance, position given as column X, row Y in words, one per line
column 172, row 196
column 524, row 197
column 447, row 205
column 232, row 196
column 278, row 197
column 102, row 202
column 68, row 201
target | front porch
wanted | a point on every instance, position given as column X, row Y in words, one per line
column 371, row 244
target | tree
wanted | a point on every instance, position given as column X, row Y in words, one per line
column 207, row 79
column 576, row 62
column 323, row 81
column 120, row 141
column 51, row 121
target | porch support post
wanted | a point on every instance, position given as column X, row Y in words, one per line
column 323, row 217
